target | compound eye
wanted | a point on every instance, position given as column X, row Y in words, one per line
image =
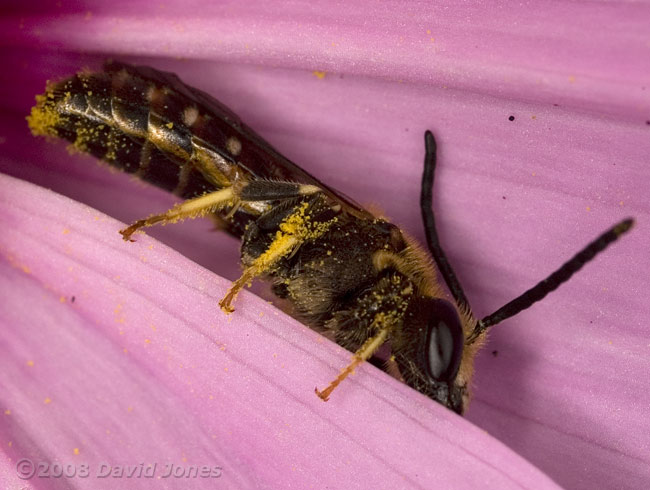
column 444, row 343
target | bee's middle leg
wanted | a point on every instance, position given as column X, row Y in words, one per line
column 289, row 226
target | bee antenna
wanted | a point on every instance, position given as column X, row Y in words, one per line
column 552, row 282
column 426, row 198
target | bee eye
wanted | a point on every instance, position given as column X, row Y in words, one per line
column 444, row 345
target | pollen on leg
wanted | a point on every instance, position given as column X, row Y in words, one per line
column 296, row 229
column 192, row 208
column 281, row 246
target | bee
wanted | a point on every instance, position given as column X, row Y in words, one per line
column 345, row 271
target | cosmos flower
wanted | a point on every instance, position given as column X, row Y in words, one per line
column 116, row 354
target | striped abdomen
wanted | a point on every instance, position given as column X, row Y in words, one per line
column 143, row 126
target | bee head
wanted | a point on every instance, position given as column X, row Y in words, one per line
column 429, row 350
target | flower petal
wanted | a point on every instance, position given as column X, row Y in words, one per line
column 116, row 354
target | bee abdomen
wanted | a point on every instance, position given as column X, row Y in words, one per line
column 136, row 125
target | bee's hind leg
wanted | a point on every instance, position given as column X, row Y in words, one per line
column 192, row 208
column 231, row 196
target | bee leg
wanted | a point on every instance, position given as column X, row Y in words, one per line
column 260, row 190
column 282, row 246
column 192, row 208
column 368, row 348
column 307, row 220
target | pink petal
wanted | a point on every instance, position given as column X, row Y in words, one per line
column 567, row 389
column 116, row 352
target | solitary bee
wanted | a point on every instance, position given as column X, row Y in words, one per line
column 346, row 272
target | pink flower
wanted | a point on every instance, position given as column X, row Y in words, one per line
column 115, row 353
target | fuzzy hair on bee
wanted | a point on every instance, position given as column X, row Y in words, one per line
column 344, row 270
